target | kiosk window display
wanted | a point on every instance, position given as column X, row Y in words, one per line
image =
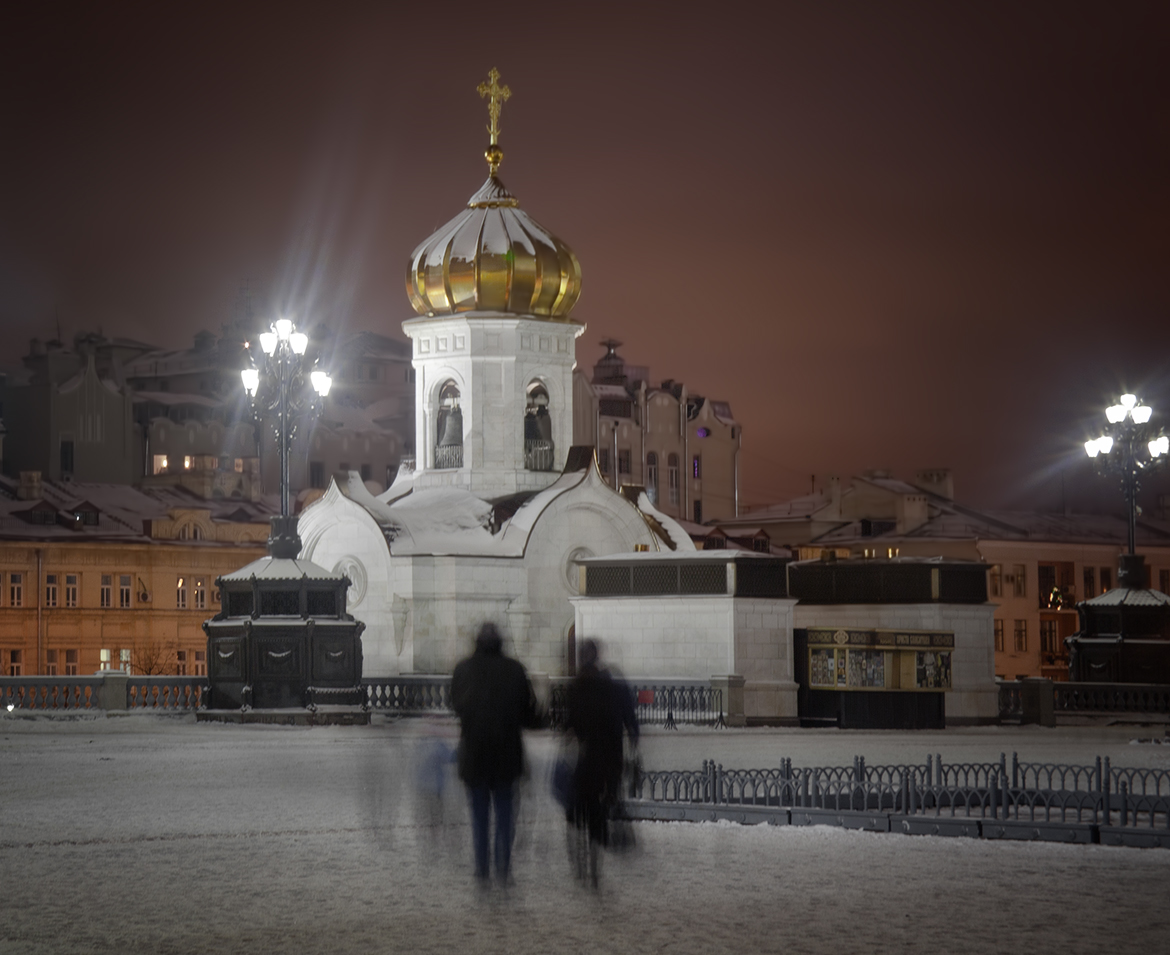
column 874, row 678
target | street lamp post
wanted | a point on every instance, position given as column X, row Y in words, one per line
column 1129, row 446
column 276, row 384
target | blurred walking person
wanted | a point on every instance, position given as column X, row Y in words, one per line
column 493, row 699
column 599, row 710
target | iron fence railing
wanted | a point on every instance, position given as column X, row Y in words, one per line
column 657, row 703
column 1097, row 795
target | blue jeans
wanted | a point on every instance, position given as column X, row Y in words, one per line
column 482, row 798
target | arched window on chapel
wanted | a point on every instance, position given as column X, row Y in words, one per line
column 538, row 436
column 449, row 428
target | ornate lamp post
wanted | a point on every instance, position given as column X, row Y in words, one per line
column 283, row 639
column 1128, row 447
column 281, row 389
column 1113, row 645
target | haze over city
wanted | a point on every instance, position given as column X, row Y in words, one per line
column 894, row 236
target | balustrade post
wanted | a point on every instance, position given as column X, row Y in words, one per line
column 113, row 693
column 1124, row 794
column 938, row 770
column 994, row 800
column 719, row 785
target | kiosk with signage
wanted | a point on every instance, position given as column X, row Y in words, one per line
column 873, row 679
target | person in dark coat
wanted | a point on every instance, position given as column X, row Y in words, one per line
column 599, row 710
column 493, row 699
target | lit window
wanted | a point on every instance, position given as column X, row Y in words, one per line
column 50, row 590
column 652, row 477
column 1106, row 579
column 71, row 590
column 159, row 464
column 107, row 590
column 200, row 587
column 124, row 659
column 16, row 590
column 187, row 462
column 104, row 656
column 697, row 467
column 181, row 593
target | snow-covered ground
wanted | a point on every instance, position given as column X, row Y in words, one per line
column 153, row 834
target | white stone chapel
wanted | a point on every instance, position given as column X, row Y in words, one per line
column 499, row 506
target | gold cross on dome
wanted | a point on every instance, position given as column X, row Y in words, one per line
column 499, row 95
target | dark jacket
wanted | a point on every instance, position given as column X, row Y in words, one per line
column 598, row 710
column 493, row 699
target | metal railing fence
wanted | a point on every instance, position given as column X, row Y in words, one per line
column 661, row 703
column 1098, row 794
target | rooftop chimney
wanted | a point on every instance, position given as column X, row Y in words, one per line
column 30, row 486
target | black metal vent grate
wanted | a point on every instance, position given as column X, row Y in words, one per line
column 702, row 578
column 322, row 603
column 239, row 604
column 655, row 579
column 279, row 603
column 607, row 581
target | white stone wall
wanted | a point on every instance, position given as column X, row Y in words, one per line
column 697, row 637
column 492, row 358
column 763, row 657
column 973, row 697
column 340, row 535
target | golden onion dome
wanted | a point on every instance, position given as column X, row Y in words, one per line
column 493, row 257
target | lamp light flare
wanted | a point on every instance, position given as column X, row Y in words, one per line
column 299, row 342
column 1141, row 414
column 1116, row 413
column 1091, row 448
column 1127, row 401
column 321, row 383
column 268, row 342
column 284, row 328
column 251, row 379
column 1159, row 446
